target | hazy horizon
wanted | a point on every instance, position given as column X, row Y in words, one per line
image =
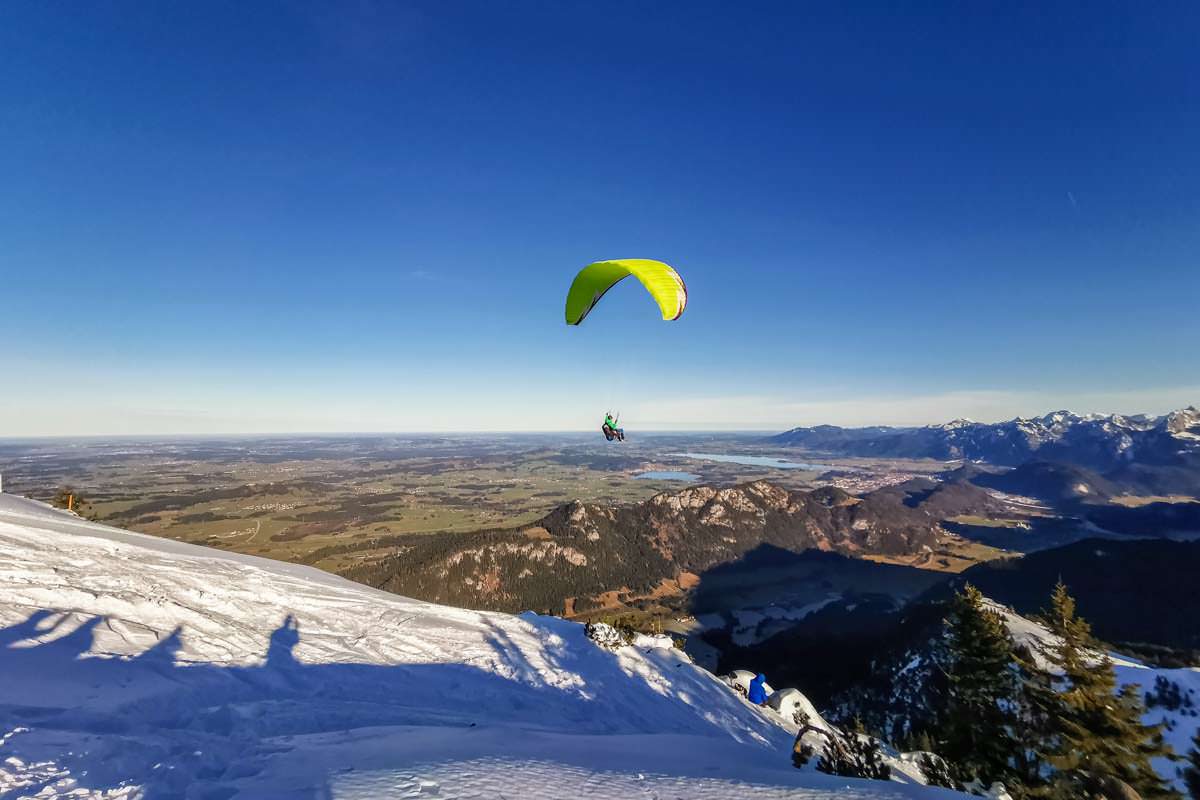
column 987, row 407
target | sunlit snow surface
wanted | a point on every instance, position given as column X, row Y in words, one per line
column 132, row 666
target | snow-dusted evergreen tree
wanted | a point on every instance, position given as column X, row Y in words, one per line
column 1099, row 735
column 978, row 720
column 851, row 753
column 854, row 755
column 936, row 771
column 1039, row 708
column 1191, row 773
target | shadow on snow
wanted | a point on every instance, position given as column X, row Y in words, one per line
column 195, row 730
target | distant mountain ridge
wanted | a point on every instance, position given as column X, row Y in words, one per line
column 1160, row 451
column 580, row 550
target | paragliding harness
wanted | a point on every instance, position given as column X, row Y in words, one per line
column 610, row 429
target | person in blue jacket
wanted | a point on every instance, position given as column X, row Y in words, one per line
column 758, row 691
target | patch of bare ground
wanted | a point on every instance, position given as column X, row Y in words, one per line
column 954, row 555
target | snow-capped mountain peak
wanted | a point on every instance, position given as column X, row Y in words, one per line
column 1183, row 424
column 1100, row 442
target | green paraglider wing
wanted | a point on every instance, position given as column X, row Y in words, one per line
column 663, row 283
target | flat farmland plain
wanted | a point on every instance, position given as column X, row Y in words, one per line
column 305, row 498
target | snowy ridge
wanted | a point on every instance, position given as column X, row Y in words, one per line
column 1102, row 442
column 132, row 666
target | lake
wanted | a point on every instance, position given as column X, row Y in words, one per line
column 755, row 461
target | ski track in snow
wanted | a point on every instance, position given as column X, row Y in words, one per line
column 138, row 667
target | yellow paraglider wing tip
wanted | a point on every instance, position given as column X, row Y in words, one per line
column 594, row 280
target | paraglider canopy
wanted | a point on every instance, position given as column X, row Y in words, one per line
column 663, row 283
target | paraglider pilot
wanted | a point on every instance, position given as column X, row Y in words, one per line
column 611, row 431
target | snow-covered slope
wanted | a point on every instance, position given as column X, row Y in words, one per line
column 1180, row 720
column 904, row 696
column 139, row 667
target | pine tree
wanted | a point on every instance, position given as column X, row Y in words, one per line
column 855, row 756
column 1039, row 708
column 1099, row 733
column 1191, row 774
column 978, row 718
column 936, row 771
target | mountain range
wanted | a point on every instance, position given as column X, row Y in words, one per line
column 584, row 557
column 1155, row 454
column 139, row 667
column 580, row 552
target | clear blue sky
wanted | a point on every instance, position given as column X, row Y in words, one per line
column 364, row 216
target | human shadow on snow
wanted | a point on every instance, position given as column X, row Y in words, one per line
column 194, row 730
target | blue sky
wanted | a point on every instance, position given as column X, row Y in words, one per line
column 240, row 217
